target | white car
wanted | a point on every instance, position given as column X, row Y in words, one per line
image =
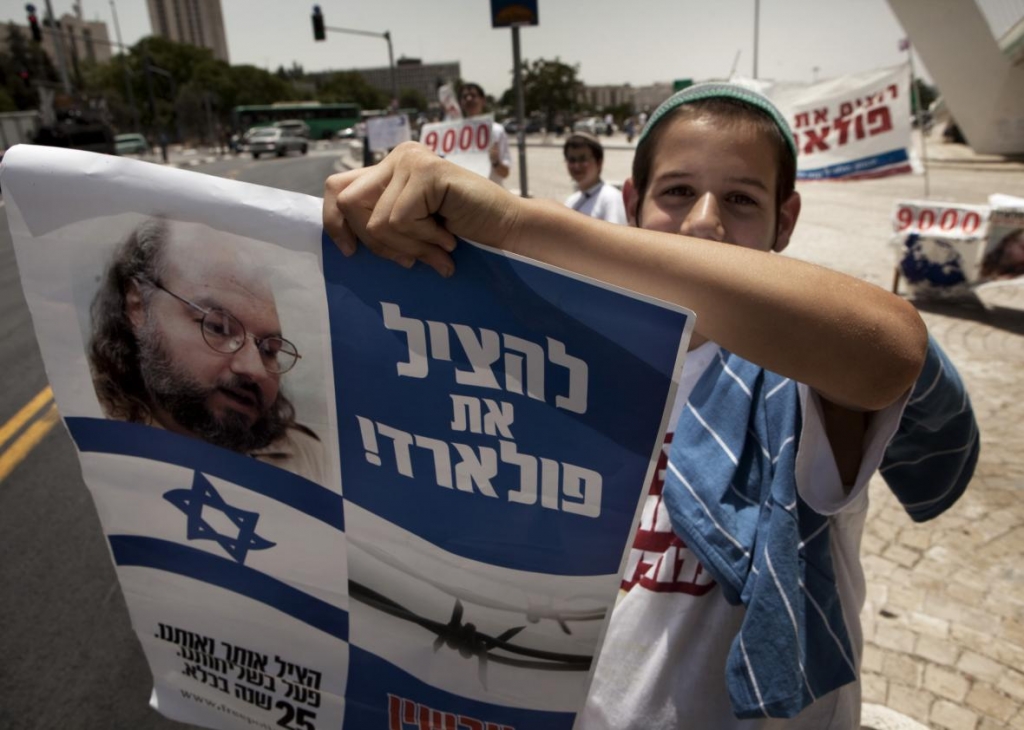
column 275, row 141
column 593, row 125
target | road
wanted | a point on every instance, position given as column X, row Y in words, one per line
column 944, row 624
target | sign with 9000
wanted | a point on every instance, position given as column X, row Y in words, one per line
column 949, row 219
column 466, row 142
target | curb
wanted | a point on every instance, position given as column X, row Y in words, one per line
column 876, row 717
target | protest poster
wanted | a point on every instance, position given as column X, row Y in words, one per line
column 850, row 127
column 426, row 524
column 228, row 544
column 939, row 246
column 466, row 142
column 447, row 96
column 944, row 250
column 1004, row 253
column 386, row 133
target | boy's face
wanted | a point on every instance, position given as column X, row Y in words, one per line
column 472, row 102
column 716, row 182
column 583, row 167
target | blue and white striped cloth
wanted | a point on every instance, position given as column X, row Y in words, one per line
column 731, row 492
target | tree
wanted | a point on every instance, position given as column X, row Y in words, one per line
column 412, row 99
column 350, row 86
column 21, row 66
column 551, row 87
column 923, row 95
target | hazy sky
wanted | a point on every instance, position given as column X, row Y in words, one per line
column 612, row 41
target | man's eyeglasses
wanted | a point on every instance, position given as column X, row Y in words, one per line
column 226, row 335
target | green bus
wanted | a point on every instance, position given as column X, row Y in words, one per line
column 324, row 120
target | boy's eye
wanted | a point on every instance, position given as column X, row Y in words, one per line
column 678, row 190
column 742, row 199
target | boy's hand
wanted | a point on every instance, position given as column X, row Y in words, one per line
column 411, row 206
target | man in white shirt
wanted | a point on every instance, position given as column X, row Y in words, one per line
column 472, row 100
column 584, row 158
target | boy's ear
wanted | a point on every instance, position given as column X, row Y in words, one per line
column 789, row 211
column 631, row 199
column 134, row 306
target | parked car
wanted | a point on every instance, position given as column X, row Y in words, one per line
column 348, row 133
column 532, row 126
column 295, row 127
column 131, row 144
column 275, row 141
column 594, row 125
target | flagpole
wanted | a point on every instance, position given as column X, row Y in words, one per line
column 916, row 101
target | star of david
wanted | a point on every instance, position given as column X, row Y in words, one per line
column 202, row 494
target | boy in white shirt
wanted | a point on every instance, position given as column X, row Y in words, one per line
column 796, row 380
column 584, row 158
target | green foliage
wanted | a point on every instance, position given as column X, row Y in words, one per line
column 923, row 94
column 551, row 87
column 21, row 66
column 6, row 102
column 412, row 99
column 350, row 86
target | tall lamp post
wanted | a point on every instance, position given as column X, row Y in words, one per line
column 757, row 22
column 127, row 77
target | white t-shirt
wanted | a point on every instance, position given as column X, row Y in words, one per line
column 500, row 138
column 662, row 666
column 602, row 201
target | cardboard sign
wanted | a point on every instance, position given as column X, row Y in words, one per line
column 940, row 245
column 466, row 142
column 851, row 127
column 386, row 133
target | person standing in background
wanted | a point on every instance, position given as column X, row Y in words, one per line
column 584, row 157
column 472, row 100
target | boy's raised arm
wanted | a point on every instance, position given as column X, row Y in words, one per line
column 856, row 344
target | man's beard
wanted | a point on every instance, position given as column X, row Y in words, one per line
column 185, row 400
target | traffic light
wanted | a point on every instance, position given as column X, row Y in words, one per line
column 33, row 23
column 318, row 24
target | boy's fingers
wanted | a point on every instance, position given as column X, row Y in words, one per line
column 336, row 222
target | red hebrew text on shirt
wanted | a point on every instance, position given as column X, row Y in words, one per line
column 660, row 561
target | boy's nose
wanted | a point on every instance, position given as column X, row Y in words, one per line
column 704, row 220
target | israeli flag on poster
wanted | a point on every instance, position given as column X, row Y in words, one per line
column 496, row 431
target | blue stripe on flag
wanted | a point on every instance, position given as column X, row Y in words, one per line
column 855, row 167
column 149, row 552
column 133, row 439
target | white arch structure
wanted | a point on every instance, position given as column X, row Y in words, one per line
column 982, row 84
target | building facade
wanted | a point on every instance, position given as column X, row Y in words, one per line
column 640, row 98
column 411, row 73
column 83, row 41
column 196, row 22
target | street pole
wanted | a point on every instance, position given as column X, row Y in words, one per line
column 59, row 48
column 524, row 190
column 127, row 77
column 757, row 20
column 916, row 99
column 391, row 63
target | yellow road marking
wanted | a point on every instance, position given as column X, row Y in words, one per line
column 24, row 444
column 26, row 414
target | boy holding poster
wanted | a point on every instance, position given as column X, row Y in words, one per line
column 740, row 600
